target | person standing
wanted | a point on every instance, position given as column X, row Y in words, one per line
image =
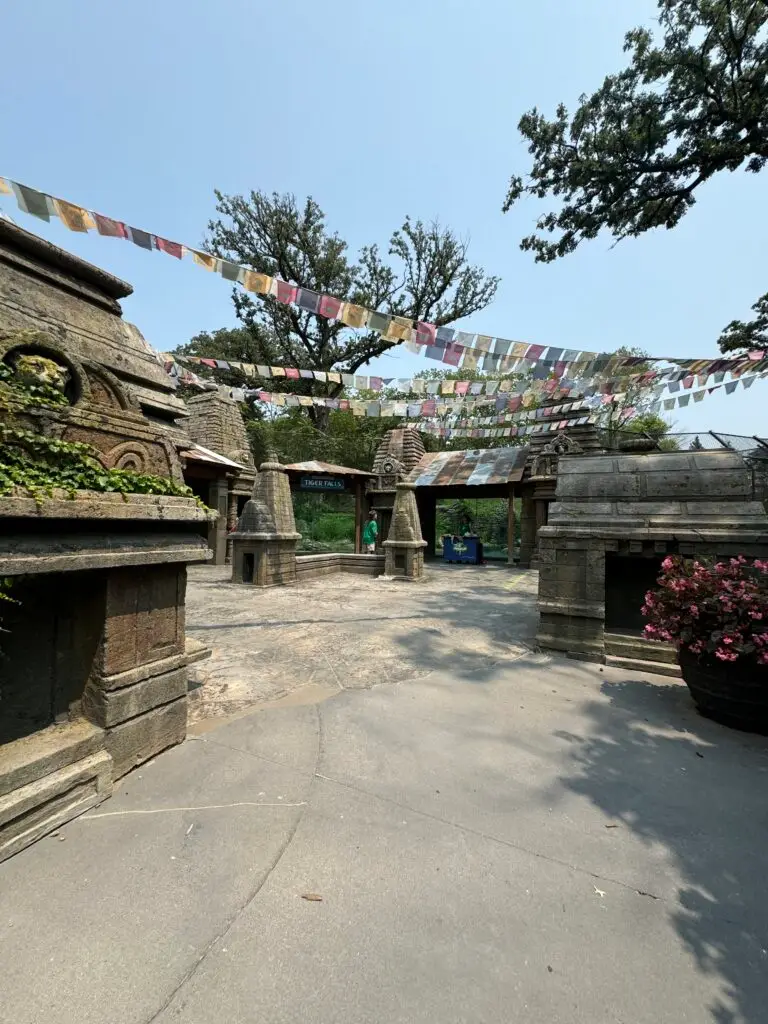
column 370, row 533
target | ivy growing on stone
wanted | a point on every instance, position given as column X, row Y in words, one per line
column 39, row 465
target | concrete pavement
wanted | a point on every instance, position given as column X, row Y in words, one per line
column 539, row 841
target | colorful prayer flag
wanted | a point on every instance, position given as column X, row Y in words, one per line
column 286, row 293
column 379, row 322
column 329, row 307
column 202, row 259
column 229, row 271
column 307, row 299
column 171, row 248
column 354, row 316
column 5, row 188
column 31, row 201
column 73, row 217
column 141, row 238
column 110, row 228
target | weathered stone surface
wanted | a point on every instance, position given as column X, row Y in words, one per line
column 314, row 566
column 111, row 707
column 144, row 618
column 44, row 288
column 21, row 554
column 33, row 757
column 215, row 422
column 94, row 505
column 136, row 741
column 404, row 546
column 639, row 506
column 102, row 577
column 31, row 811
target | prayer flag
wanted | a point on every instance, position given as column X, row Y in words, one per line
column 202, row 259
column 286, row 293
column 171, row 248
column 354, row 316
column 425, row 333
column 31, row 201
column 307, row 299
column 74, row 217
column 259, row 283
column 453, row 354
column 379, row 322
column 5, row 188
column 110, row 228
column 329, row 307
column 291, row 373
column 229, row 271
column 471, row 356
column 141, row 238
column 334, row 377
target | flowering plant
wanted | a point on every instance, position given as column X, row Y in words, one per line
column 719, row 609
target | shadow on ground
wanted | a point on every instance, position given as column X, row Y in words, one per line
column 699, row 790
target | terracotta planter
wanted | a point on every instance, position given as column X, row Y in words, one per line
column 732, row 693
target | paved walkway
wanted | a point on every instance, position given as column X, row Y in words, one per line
column 508, row 839
column 347, row 632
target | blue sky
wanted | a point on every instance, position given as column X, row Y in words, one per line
column 139, row 110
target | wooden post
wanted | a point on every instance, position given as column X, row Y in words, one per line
column 358, row 515
column 511, row 527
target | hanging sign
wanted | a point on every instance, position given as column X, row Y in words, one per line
column 321, row 483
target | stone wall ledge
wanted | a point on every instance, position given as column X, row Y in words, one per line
column 97, row 505
column 44, row 552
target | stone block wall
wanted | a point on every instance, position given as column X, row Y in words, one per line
column 646, row 506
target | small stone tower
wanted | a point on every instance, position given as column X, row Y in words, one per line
column 264, row 543
column 404, row 546
column 400, row 451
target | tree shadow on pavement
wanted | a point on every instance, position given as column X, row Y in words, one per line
column 471, row 628
column 699, row 790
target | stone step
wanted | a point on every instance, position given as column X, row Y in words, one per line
column 31, row 758
column 658, row 668
column 622, row 645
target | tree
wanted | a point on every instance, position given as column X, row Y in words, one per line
column 429, row 279
column 636, row 151
column 631, row 413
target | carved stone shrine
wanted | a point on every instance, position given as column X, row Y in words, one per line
column 93, row 669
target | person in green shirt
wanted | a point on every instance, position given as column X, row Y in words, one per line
column 370, row 533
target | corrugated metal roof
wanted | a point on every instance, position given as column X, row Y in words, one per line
column 471, row 469
column 197, row 453
column 326, row 467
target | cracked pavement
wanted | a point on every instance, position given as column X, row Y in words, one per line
column 495, row 837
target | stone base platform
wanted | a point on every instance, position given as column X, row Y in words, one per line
column 310, row 567
column 49, row 778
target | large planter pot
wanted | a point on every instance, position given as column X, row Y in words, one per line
column 733, row 693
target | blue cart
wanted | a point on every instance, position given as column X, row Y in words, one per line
column 467, row 550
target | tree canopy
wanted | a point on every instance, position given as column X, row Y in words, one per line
column 635, row 152
column 425, row 275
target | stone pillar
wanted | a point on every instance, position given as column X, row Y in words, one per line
column 404, row 547
column 511, row 528
column 231, row 523
column 527, row 530
column 137, row 688
column 264, row 544
column 218, row 499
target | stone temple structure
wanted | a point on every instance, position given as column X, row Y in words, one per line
column 615, row 518
column 219, row 465
column 404, row 546
column 264, row 543
column 93, row 672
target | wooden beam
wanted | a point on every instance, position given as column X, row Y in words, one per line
column 358, row 516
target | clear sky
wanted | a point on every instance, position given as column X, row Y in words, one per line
column 139, row 110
